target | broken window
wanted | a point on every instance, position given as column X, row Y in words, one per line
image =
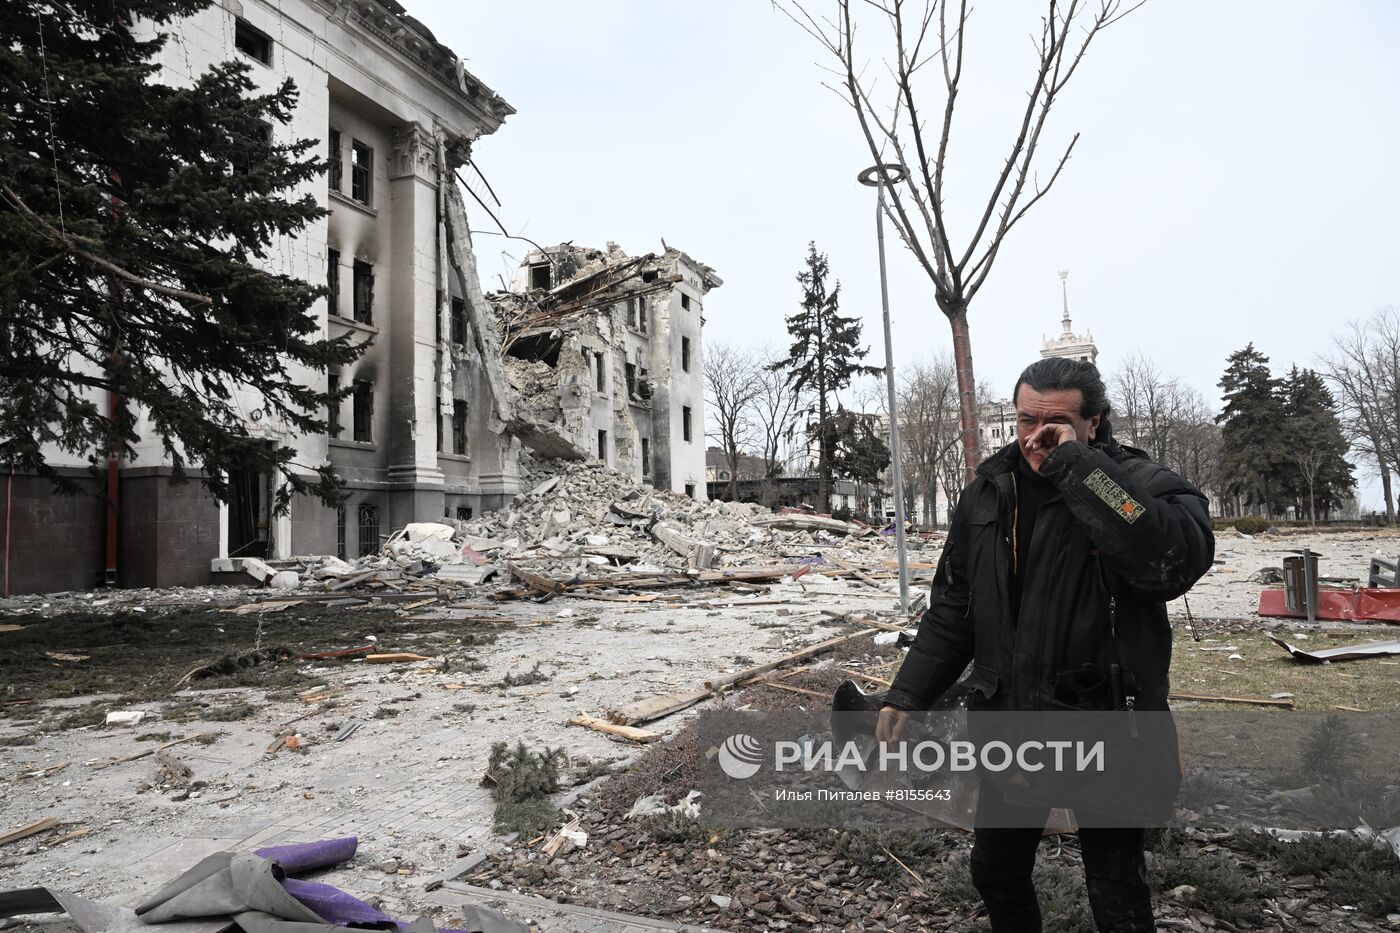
column 458, row 321
column 690, row 490
column 603, row 446
column 333, row 281
column 361, row 171
column 336, row 164
column 464, row 513
column 600, row 372
column 631, row 371
column 685, row 422
column 364, row 410
column 539, row 275
column 685, row 354
column 644, row 385
column 685, row 302
column 642, row 315
column 252, row 42
column 369, row 530
column 340, row 531
column 646, row 457
column 459, row 427
column 333, row 406
column 364, row 292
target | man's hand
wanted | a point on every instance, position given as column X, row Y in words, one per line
column 890, row 726
column 1049, row 437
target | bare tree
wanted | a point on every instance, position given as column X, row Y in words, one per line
column 929, row 425
column 892, row 121
column 1365, row 369
column 731, row 383
column 777, row 414
column 1149, row 405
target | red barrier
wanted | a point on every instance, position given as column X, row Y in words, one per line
column 1364, row 605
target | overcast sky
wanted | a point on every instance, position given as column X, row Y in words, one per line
column 1234, row 179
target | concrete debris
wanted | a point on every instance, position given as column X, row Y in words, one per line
column 655, row 805
column 584, row 524
column 1370, row 649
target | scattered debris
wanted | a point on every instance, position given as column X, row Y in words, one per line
column 126, row 717
column 655, row 805
column 1370, row 649
column 1286, row 702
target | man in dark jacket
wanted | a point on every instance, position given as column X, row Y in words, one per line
column 1059, row 561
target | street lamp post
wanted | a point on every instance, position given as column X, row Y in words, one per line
column 878, row 176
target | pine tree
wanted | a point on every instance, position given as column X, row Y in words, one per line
column 823, row 359
column 1315, row 444
column 1253, row 465
column 857, row 452
column 135, row 220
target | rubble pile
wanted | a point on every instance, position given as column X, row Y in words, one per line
column 586, row 517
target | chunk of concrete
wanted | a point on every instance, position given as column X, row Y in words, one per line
column 257, row 569
column 285, row 580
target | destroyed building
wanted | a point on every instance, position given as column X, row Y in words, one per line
column 604, row 350
column 424, row 432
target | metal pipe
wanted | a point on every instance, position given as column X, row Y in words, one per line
column 896, row 473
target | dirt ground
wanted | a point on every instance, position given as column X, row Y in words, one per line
column 68, row 660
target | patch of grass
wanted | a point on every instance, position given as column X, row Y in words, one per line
column 12, row 741
column 1064, row 901
column 183, row 709
column 386, row 712
column 1354, row 871
column 521, row 782
column 468, row 708
column 1221, row 887
column 533, row 676
column 674, row 826
column 1267, row 669
column 1328, row 751
column 93, row 714
column 231, row 712
column 155, row 737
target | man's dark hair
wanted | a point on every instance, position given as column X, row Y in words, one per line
column 1057, row 373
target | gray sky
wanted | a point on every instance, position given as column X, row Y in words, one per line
column 1233, row 181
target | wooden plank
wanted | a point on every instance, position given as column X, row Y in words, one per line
column 535, row 581
column 351, row 581
column 33, row 829
column 656, row 707
column 1253, row 701
column 611, row 728
column 98, row 766
column 790, row 688
column 395, row 657
column 810, row 651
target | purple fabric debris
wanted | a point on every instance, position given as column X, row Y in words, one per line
column 812, row 561
column 309, row 856
column 335, row 906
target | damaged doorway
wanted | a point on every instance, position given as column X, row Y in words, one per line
column 249, row 512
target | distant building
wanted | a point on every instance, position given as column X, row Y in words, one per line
column 1068, row 344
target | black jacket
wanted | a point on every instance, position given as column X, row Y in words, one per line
column 1119, row 537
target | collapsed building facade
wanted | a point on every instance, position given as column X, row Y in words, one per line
column 604, row 352
column 426, row 431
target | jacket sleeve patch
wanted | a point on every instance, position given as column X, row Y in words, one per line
column 1115, row 496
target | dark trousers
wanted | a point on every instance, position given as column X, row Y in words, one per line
column 1114, row 869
